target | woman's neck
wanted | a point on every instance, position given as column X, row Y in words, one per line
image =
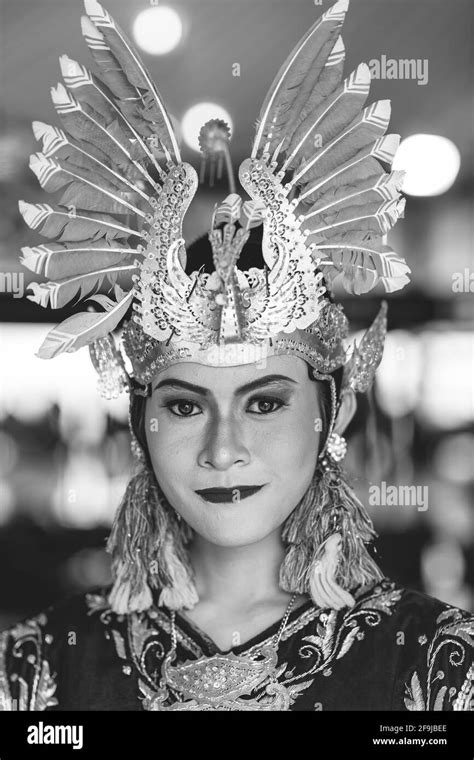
column 238, row 576
column 238, row 589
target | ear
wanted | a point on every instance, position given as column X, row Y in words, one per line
column 347, row 409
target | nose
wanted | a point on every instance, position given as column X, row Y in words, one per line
column 223, row 446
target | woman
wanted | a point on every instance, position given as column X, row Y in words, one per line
column 243, row 578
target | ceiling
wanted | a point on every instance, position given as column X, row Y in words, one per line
column 257, row 34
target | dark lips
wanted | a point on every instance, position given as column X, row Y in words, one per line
column 235, row 494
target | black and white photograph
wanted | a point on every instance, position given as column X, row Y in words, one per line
column 236, row 363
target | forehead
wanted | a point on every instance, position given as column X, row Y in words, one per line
column 216, row 378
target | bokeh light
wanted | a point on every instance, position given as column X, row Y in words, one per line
column 196, row 116
column 398, row 377
column 431, row 163
column 157, row 30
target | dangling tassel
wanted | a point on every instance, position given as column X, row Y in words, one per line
column 130, row 591
column 327, row 535
column 180, row 592
column 324, row 589
column 147, row 547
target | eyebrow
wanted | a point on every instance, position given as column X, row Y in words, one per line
column 259, row 383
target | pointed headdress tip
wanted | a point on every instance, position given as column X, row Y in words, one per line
column 89, row 29
column 59, row 93
column 92, row 7
column 34, row 160
column 68, row 65
column 363, row 71
column 338, row 46
column 380, row 321
column 337, row 53
column 340, row 7
column 375, row 335
column 359, row 371
column 38, row 128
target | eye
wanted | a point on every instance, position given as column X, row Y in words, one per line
column 182, row 407
column 265, row 405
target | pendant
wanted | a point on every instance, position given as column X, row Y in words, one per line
column 220, row 682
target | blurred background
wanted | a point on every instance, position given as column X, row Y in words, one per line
column 65, row 453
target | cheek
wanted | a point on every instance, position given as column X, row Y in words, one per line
column 163, row 429
column 167, row 443
column 291, row 443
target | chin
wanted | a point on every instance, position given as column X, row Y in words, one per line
column 232, row 537
column 234, row 524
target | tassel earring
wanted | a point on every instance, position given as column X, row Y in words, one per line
column 324, row 589
column 327, row 535
column 147, row 543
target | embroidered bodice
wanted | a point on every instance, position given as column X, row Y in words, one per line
column 396, row 649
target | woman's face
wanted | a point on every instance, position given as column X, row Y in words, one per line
column 247, row 431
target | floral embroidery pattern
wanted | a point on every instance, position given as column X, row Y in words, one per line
column 434, row 672
column 138, row 638
column 336, row 632
column 457, row 632
column 37, row 691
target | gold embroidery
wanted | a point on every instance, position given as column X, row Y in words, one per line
column 38, row 692
column 335, row 633
column 138, row 639
column 221, row 682
column 458, row 631
column 6, row 702
column 465, row 698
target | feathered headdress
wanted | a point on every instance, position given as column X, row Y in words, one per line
column 316, row 181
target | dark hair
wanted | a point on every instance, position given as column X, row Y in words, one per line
column 325, row 400
column 137, row 422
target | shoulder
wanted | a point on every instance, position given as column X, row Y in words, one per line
column 31, row 650
column 434, row 643
column 77, row 611
column 414, row 609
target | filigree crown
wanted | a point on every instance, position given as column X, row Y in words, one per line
column 315, row 180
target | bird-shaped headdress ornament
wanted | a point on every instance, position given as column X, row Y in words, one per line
column 315, row 180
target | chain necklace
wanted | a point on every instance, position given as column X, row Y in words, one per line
column 222, row 681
